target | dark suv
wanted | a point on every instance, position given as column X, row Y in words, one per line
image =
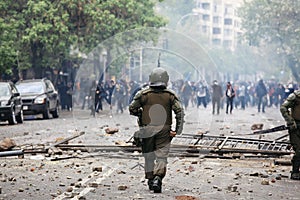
column 39, row 97
column 10, row 103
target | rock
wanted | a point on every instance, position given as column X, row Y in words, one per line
column 7, row 144
column 111, row 130
column 69, row 189
column 122, row 187
column 185, row 197
column 62, row 184
column 93, row 184
column 257, row 126
column 97, row 169
column 265, row 182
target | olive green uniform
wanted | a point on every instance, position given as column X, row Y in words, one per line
column 154, row 107
column 290, row 111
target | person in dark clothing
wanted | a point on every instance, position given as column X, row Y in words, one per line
column 100, row 96
column 62, row 91
column 109, row 88
column 69, row 96
column 186, row 93
column 92, row 97
column 290, row 110
column 230, row 94
column 261, row 94
column 119, row 94
column 217, row 95
column 154, row 106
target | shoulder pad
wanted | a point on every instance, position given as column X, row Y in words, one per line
column 146, row 90
column 171, row 92
column 291, row 97
column 297, row 93
column 138, row 95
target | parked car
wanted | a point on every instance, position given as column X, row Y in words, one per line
column 10, row 103
column 39, row 97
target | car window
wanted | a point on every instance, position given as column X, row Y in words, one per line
column 4, row 90
column 49, row 86
column 30, row 88
column 14, row 89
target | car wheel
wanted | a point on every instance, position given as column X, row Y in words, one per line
column 46, row 114
column 20, row 117
column 12, row 118
column 55, row 113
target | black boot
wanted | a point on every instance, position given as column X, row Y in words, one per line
column 295, row 175
column 150, row 184
column 157, row 184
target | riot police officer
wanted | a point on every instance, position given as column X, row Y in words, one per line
column 154, row 106
column 290, row 110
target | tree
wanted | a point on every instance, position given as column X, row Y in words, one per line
column 39, row 34
column 274, row 22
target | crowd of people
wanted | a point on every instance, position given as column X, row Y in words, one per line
column 233, row 95
column 227, row 96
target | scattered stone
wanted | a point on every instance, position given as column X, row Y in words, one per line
column 185, row 197
column 191, row 169
column 265, row 182
column 273, row 180
column 62, row 184
column 53, row 194
column 257, row 126
column 111, row 130
column 82, row 198
column 97, row 169
column 121, row 172
column 7, row 144
column 122, row 187
column 232, row 188
column 21, row 190
column 93, row 184
column 69, row 189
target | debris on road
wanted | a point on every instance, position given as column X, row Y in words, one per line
column 7, row 144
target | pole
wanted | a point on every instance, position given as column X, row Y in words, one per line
column 141, row 65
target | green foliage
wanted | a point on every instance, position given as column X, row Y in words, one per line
column 274, row 22
column 40, row 33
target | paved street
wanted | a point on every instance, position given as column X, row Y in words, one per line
column 119, row 175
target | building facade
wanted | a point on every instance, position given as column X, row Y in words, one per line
column 218, row 20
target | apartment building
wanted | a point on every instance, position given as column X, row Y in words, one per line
column 219, row 21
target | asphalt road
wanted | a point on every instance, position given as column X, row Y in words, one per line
column 119, row 175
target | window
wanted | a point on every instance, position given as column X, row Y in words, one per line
column 215, row 8
column 205, row 29
column 227, row 21
column 206, row 6
column 228, row 10
column 216, row 20
column 205, row 17
column 216, row 31
column 227, row 32
column 216, row 41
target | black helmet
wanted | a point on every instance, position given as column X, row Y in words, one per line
column 159, row 77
